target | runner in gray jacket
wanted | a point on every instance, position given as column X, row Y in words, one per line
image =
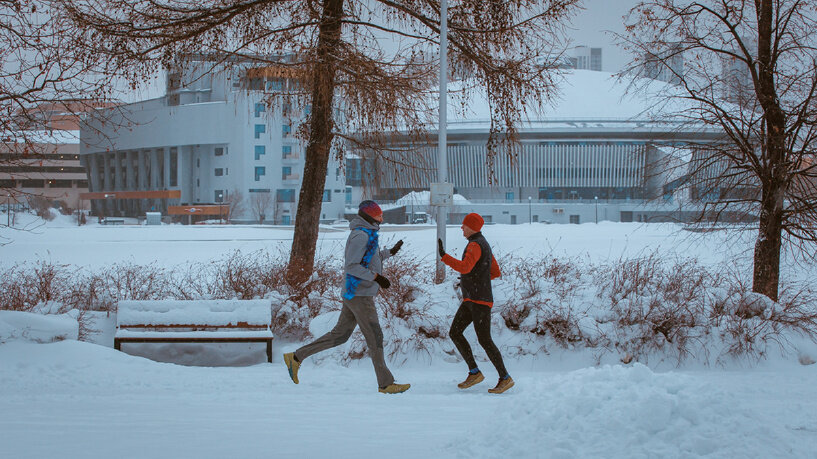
column 363, row 267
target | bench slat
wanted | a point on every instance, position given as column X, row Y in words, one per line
column 220, row 335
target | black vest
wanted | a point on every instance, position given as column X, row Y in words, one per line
column 476, row 285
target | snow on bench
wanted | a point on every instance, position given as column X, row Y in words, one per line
column 197, row 321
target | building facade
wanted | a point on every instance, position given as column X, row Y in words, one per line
column 42, row 159
column 222, row 136
column 597, row 154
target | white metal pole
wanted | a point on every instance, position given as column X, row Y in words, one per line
column 442, row 158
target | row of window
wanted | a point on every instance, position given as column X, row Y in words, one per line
column 9, row 183
column 259, row 129
column 286, row 152
column 285, row 109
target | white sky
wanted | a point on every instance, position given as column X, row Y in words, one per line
column 592, row 27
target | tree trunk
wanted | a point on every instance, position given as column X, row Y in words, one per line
column 767, row 249
column 302, row 256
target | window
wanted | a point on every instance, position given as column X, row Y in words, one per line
column 260, row 129
column 259, row 109
column 285, row 195
column 285, row 171
column 513, row 219
column 308, row 109
column 574, row 219
column 286, row 130
column 509, row 196
column 286, row 151
column 81, row 184
column 327, row 195
column 198, row 162
column 260, row 150
column 260, row 171
column 219, row 151
column 275, row 85
column 348, row 195
column 219, row 196
column 218, row 172
column 197, row 183
column 259, row 190
column 535, row 219
column 286, row 220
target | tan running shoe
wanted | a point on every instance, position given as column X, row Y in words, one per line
column 502, row 386
column 292, row 366
column 471, row 380
column 394, row 388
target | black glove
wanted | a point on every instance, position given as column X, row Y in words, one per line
column 440, row 248
column 396, row 247
column 382, row 281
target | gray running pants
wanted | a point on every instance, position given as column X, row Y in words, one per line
column 359, row 311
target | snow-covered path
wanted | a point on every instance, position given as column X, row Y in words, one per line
column 76, row 399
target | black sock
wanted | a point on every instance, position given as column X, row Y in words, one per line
column 296, row 358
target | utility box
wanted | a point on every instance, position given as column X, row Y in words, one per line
column 442, row 194
column 153, row 218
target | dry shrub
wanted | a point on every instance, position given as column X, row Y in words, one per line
column 242, row 275
column 655, row 307
column 407, row 310
column 23, row 287
column 127, row 281
column 41, row 207
column 542, row 298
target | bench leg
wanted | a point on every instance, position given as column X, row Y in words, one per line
column 269, row 351
column 117, row 344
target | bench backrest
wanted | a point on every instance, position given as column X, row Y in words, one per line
column 175, row 313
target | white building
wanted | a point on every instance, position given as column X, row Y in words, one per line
column 596, row 153
column 219, row 133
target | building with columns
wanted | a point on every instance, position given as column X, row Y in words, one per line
column 595, row 153
column 220, row 141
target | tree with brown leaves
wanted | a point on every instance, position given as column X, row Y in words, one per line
column 371, row 66
column 749, row 71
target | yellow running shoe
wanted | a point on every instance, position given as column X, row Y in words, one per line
column 471, row 380
column 394, row 388
column 292, row 366
column 502, row 386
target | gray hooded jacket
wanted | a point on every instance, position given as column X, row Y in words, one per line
column 355, row 249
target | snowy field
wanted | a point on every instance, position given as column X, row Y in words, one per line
column 80, row 399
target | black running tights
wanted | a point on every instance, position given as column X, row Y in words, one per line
column 480, row 315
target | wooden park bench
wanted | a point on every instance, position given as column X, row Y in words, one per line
column 197, row 321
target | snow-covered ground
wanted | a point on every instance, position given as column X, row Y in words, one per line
column 79, row 399
column 75, row 399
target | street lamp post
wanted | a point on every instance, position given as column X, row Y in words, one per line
column 220, row 206
column 596, row 198
column 442, row 143
column 8, row 210
column 530, row 214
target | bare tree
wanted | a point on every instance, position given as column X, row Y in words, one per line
column 373, row 61
column 44, row 79
column 749, row 71
column 235, row 204
column 260, row 204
